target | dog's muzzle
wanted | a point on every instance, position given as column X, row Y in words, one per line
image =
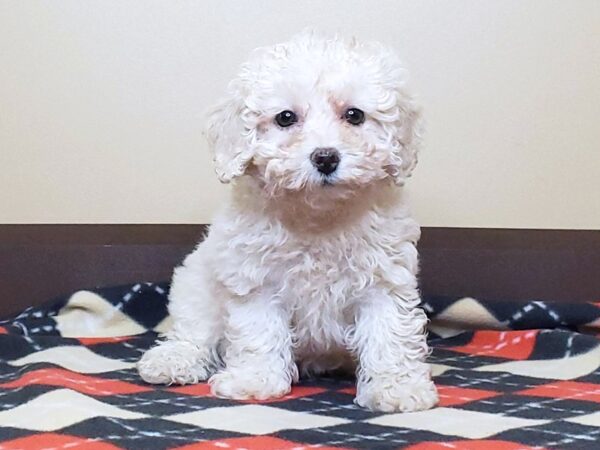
column 325, row 160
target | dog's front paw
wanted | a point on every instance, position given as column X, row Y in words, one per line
column 174, row 362
column 249, row 383
column 392, row 394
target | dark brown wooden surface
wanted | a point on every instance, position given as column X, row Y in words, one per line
column 511, row 264
column 38, row 262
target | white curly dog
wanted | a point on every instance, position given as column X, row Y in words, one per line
column 311, row 266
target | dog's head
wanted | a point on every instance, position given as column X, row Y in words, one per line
column 317, row 113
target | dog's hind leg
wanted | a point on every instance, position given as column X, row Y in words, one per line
column 189, row 352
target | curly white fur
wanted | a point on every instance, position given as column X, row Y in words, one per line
column 298, row 274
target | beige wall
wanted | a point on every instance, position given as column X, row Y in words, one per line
column 101, row 104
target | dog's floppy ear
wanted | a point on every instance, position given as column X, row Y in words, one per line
column 228, row 136
column 407, row 138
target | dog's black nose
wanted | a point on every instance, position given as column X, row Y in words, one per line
column 326, row 159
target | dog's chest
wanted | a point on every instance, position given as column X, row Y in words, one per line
column 327, row 271
column 321, row 286
column 320, row 280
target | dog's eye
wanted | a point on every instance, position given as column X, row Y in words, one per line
column 286, row 118
column 354, row 116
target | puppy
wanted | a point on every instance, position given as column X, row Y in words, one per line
column 311, row 266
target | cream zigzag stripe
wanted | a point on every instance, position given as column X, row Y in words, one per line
column 87, row 314
column 77, row 359
column 255, row 419
column 59, row 409
column 466, row 314
column 551, row 369
column 592, row 420
column 455, row 422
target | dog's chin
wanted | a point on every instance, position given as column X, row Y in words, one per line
column 320, row 184
column 334, row 188
column 336, row 183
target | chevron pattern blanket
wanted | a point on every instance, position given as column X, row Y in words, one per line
column 511, row 375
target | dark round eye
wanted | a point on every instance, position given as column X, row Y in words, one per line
column 354, row 116
column 286, row 118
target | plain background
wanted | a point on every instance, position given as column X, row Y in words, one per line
column 102, row 102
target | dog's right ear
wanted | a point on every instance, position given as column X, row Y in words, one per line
column 228, row 136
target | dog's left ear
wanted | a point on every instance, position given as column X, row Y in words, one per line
column 228, row 136
column 407, row 138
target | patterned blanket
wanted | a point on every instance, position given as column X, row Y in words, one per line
column 510, row 376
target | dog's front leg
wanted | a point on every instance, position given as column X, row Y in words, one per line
column 257, row 351
column 390, row 342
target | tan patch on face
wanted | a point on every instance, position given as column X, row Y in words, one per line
column 294, row 140
column 338, row 106
column 351, row 137
column 263, row 125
